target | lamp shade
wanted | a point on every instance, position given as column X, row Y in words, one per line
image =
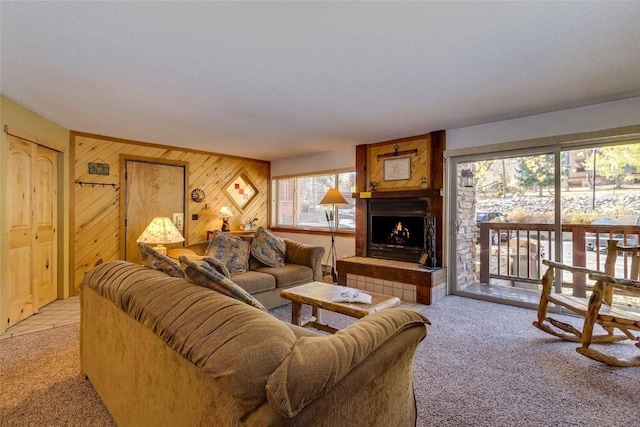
column 160, row 230
column 225, row 212
column 333, row 197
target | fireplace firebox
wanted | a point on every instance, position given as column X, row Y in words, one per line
column 397, row 237
column 398, row 229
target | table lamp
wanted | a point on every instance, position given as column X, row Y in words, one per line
column 160, row 231
column 225, row 213
column 333, row 198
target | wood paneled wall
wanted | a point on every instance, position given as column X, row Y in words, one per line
column 420, row 162
column 95, row 209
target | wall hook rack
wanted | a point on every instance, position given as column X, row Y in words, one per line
column 396, row 152
column 93, row 184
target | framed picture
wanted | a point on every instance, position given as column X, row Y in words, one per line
column 397, row 169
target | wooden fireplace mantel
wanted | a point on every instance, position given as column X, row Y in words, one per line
column 397, row 194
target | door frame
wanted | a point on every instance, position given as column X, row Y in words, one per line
column 124, row 158
column 454, row 222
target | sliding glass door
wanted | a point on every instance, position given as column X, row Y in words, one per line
column 505, row 225
column 509, row 211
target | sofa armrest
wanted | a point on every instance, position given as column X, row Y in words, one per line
column 303, row 254
column 199, row 248
column 317, row 364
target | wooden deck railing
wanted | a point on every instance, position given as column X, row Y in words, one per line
column 517, row 254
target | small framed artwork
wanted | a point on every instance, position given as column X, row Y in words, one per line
column 397, row 169
column 98, row 168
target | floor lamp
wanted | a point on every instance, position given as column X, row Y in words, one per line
column 334, row 199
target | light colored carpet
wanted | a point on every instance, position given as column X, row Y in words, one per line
column 40, row 383
column 482, row 364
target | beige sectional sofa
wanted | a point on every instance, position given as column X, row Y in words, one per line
column 303, row 264
column 161, row 350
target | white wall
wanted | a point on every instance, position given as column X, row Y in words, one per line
column 576, row 120
column 330, row 160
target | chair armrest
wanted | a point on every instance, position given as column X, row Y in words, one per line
column 317, row 364
column 620, row 283
column 303, row 254
column 570, row 268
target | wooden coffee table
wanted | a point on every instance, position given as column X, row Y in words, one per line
column 319, row 295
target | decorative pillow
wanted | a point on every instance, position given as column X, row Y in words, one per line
column 268, row 248
column 201, row 273
column 231, row 251
column 153, row 259
column 191, row 255
column 218, row 266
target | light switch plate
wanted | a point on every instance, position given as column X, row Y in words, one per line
column 178, row 220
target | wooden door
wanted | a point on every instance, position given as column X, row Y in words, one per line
column 45, row 211
column 21, row 294
column 31, row 221
column 151, row 190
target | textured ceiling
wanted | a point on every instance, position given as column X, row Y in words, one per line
column 272, row 80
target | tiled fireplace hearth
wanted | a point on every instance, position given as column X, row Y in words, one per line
column 405, row 280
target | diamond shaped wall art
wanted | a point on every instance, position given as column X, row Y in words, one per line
column 241, row 190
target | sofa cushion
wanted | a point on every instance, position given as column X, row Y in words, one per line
column 201, row 273
column 290, row 274
column 254, row 281
column 268, row 248
column 233, row 252
column 154, row 259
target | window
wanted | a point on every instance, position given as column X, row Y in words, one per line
column 297, row 200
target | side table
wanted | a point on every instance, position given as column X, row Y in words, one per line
column 238, row 233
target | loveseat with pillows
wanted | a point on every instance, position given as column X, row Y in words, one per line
column 170, row 345
column 263, row 265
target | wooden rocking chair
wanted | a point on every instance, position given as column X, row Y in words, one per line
column 592, row 309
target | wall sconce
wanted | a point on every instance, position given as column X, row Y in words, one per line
column 467, row 178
